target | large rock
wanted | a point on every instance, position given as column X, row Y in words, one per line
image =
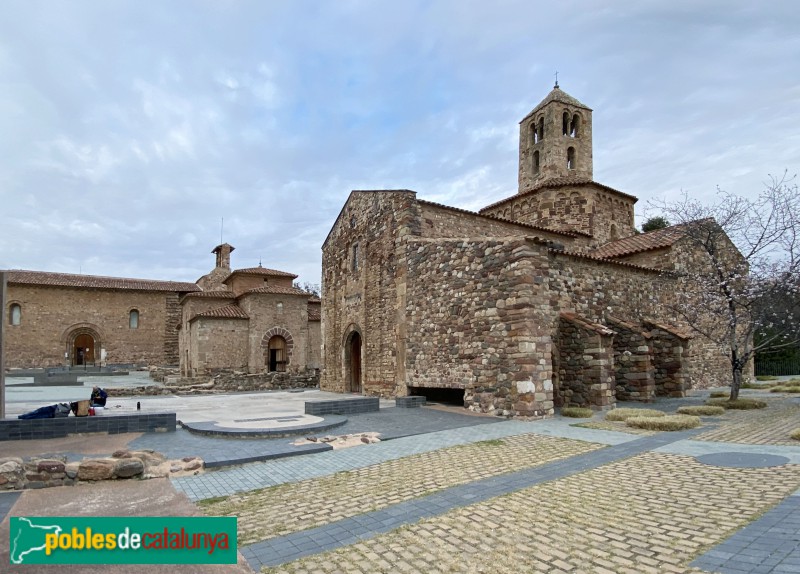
column 51, row 466
column 128, row 467
column 96, row 469
column 12, row 473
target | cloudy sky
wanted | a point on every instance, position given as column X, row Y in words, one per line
column 128, row 130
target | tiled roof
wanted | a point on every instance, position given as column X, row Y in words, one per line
column 275, row 290
column 504, row 220
column 22, row 277
column 557, row 95
column 212, row 294
column 657, row 239
column 559, row 182
column 314, row 313
column 259, row 271
column 586, row 324
column 602, row 260
column 314, row 299
column 226, row 312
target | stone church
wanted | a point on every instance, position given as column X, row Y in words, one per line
column 547, row 298
column 249, row 320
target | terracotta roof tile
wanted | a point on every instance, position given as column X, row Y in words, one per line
column 602, row 260
column 657, row 239
column 558, row 182
column 22, row 277
column 226, row 312
column 586, row 324
column 314, row 313
column 259, row 271
column 208, row 295
column 275, row 290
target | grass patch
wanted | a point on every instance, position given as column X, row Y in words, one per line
column 720, row 394
column 701, row 411
column 626, row 413
column 766, row 378
column 795, row 434
column 577, row 412
column 785, row 389
column 490, row 442
column 664, row 423
column 738, row 404
column 212, row 500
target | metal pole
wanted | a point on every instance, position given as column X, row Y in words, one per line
column 3, row 318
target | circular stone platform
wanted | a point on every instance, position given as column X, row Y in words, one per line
column 742, row 460
column 266, row 427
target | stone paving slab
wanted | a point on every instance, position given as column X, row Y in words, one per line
column 7, row 500
column 770, row 544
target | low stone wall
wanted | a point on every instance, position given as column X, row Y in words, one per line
column 223, row 382
column 410, row 402
column 343, row 406
column 18, row 474
column 31, row 429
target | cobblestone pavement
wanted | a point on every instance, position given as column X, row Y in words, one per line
column 770, row 426
column 270, row 473
column 651, row 513
column 263, row 514
column 616, row 426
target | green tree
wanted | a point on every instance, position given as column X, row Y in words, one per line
column 654, row 223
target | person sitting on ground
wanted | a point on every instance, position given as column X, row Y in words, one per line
column 98, row 398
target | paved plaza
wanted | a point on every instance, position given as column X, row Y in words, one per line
column 450, row 492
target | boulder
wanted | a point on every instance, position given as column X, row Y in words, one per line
column 96, row 469
column 51, row 466
column 128, row 467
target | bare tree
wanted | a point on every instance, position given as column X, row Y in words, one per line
column 312, row 288
column 742, row 288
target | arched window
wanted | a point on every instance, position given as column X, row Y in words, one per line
column 14, row 314
column 534, row 133
column 354, row 262
column 573, row 127
column 277, row 354
column 540, row 131
column 571, row 158
column 565, row 123
column 613, row 232
column 133, row 319
column 536, row 163
column 280, row 308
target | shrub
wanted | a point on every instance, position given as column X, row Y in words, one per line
column 738, row 404
column 701, row 411
column 795, row 434
column 720, row 394
column 625, row 413
column 665, row 423
column 577, row 412
column 792, row 389
column 766, row 378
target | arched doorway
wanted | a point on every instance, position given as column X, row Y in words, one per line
column 276, row 354
column 353, row 363
column 83, row 350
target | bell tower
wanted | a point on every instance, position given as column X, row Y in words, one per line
column 555, row 141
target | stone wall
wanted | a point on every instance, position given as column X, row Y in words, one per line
column 585, row 364
column 50, row 316
column 633, row 364
column 217, row 344
column 270, row 314
column 364, row 290
column 472, row 324
column 670, row 361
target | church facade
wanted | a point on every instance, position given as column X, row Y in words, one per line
column 245, row 320
column 547, row 298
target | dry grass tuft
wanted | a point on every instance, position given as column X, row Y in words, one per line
column 720, row 394
column 701, row 411
column 577, row 412
column 665, row 423
column 626, row 413
column 785, row 389
column 795, row 434
column 739, row 404
column 766, row 378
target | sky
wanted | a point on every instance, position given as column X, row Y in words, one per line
column 135, row 136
